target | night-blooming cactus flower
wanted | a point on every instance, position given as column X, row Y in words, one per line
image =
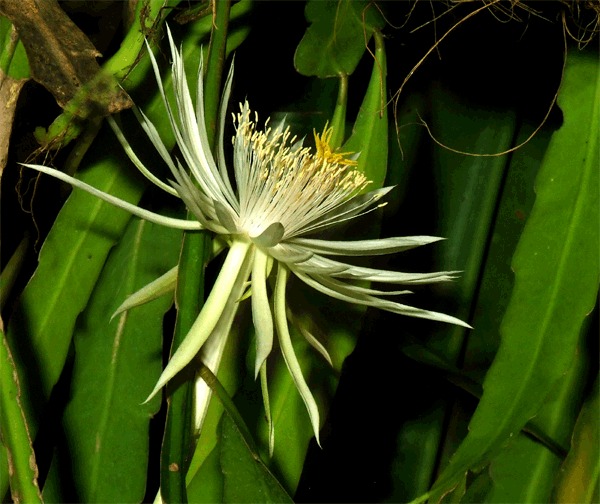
column 283, row 193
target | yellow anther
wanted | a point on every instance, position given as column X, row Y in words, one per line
column 325, row 152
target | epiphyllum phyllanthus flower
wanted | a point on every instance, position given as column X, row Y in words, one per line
column 283, row 192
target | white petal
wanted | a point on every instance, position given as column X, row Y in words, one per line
column 364, row 247
column 324, row 266
column 310, row 337
column 287, row 254
column 359, row 205
column 345, row 292
column 288, row 352
column 132, row 209
column 220, row 139
column 271, row 236
column 261, row 310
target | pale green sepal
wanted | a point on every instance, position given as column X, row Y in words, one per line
column 267, row 405
column 224, row 217
column 132, row 209
column 364, row 247
column 261, row 310
column 345, row 292
column 162, row 285
column 310, row 337
column 287, row 349
column 209, row 315
column 136, row 161
column 212, row 351
column 270, row 236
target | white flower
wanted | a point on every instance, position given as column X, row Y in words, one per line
column 283, row 192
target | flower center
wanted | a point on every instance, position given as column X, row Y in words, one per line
column 280, row 181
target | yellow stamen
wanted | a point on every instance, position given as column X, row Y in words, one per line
column 325, row 152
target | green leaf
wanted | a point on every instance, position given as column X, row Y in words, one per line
column 370, row 131
column 460, row 187
column 76, row 248
column 579, row 477
column 23, row 471
column 337, row 37
column 13, row 59
column 247, row 479
column 547, row 308
column 525, row 471
column 497, row 279
column 116, row 364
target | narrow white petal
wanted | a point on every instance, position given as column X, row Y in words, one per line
column 287, row 349
column 329, row 267
column 310, row 337
column 152, row 133
column 192, row 136
column 221, row 135
column 346, row 293
column 209, row 315
column 261, row 310
column 162, row 285
column 364, row 247
column 355, row 207
column 132, row 209
column 136, row 161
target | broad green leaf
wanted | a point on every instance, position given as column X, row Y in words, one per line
column 497, row 279
column 206, row 485
column 71, row 259
column 460, row 187
column 579, row 477
column 337, row 38
column 116, row 363
column 370, row 131
column 556, row 277
column 69, row 263
column 525, row 470
column 247, row 479
column 23, row 471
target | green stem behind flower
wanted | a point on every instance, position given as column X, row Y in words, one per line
column 195, row 254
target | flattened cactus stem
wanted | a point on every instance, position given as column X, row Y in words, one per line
column 338, row 121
